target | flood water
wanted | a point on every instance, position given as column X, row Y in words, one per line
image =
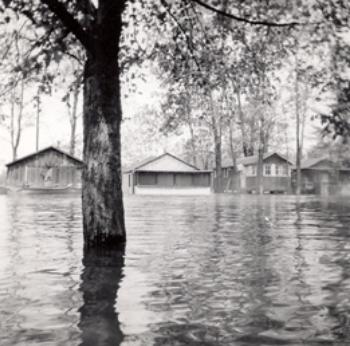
column 215, row 270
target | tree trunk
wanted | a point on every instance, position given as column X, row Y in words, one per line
column 74, row 117
column 298, row 146
column 103, row 211
column 37, row 121
column 12, row 125
column 218, row 160
column 242, row 122
column 260, row 172
column 260, row 168
column 193, row 141
column 16, row 129
column 232, row 149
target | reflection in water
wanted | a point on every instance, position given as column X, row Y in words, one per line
column 100, row 280
column 218, row 270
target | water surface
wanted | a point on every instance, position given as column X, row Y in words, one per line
column 217, row 270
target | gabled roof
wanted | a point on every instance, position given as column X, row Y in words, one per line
column 250, row 160
column 313, row 161
column 308, row 163
column 43, row 151
column 140, row 164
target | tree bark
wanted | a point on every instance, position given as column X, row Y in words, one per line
column 103, row 210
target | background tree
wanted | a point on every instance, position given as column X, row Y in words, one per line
column 15, row 84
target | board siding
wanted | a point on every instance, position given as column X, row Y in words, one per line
column 46, row 169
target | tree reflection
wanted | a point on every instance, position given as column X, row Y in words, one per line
column 100, row 280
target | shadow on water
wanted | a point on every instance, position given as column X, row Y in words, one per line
column 100, row 280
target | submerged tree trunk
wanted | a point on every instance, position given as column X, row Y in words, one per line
column 298, row 146
column 260, row 167
column 218, row 159
column 232, row 149
column 261, row 151
column 217, row 136
column 103, row 211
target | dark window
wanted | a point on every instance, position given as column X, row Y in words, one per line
column 267, row 169
column 165, row 179
column 183, row 179
column 147, row 178
column 201, row 179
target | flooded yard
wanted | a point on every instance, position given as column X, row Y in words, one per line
column 211, row 270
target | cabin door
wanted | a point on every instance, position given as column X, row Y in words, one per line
column 325, row 183
column 51, row 177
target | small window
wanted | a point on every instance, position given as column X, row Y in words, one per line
column 285, row 170
column 267, row 169
column 253, row 170
column 277, row 170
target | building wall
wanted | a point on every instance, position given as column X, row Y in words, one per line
column 318, row 181
column 278, row 168
column 245, row 179
column 158, row 182
column 47, row 169
column 270, row 184
column 189, row 191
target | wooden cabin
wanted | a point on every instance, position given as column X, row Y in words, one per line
column 243, row 177
column 49, row 167
column 166, row 174
column 322, row 176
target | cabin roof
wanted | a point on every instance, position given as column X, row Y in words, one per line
column 250, row 160
column 313, row 161
column 140, row 164
column 308, row 163
column 50, row 148
column 199, row 171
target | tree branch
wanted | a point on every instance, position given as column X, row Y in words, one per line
column 183, row 31
column 241, row 19
column 70, row 22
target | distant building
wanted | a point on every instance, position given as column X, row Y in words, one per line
column 166, row 174
column 322, row 176
column 49, row 167
column 243, row 178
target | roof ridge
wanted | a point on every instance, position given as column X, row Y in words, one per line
column 151, row 159
column 41, row 151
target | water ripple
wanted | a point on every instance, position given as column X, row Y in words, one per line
column 218, row 270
